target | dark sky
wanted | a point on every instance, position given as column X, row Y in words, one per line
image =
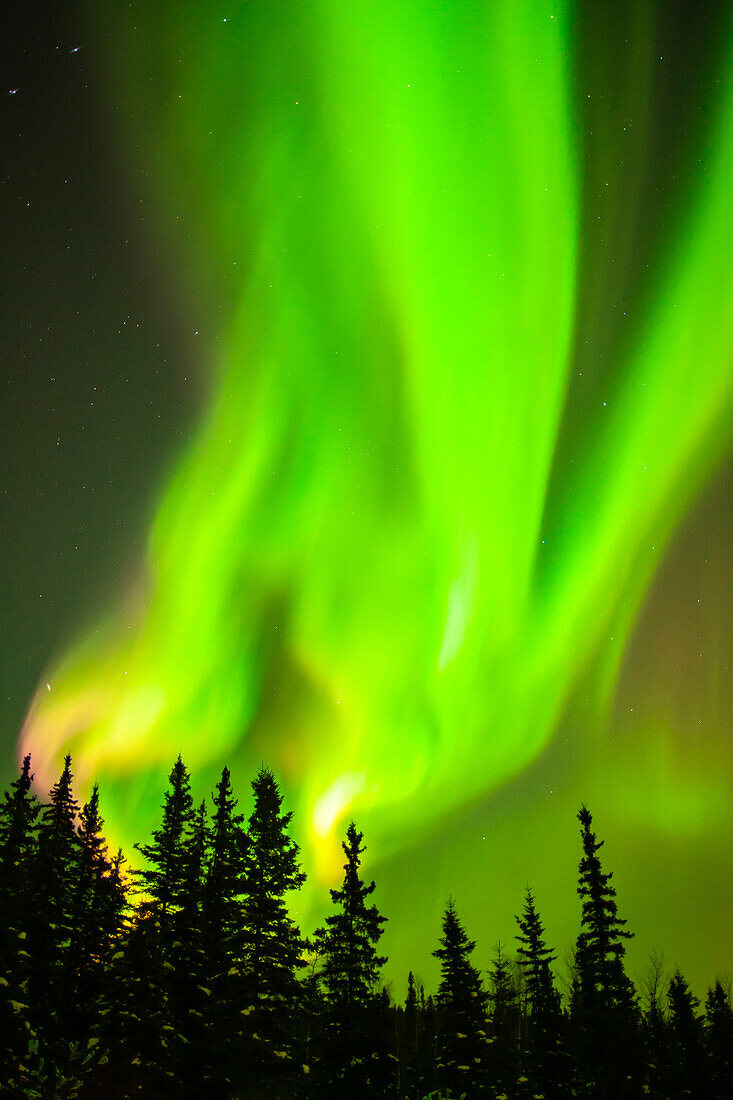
column 97, row 380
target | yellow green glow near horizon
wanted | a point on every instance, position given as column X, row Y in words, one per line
column 366, row 569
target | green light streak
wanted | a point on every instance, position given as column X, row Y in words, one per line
column 354, row 572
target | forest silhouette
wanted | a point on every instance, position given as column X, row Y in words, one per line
column 189, row 977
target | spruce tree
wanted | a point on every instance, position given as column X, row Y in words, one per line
column 153, row 945
column 353, row 1062
column 189, row 995
column 93, row 846
column 610, row 1042
column 535, row 958
column 18, row 840
column 601, row 942
column 686, row 1050
column 719, row 1043
column 654, row 1030
column 156, row 1002
column 224, row 937
column 273, row 947
column 544, row 1060
column 52, row 924
column 504, row 1018
column 99, row 949
column 411, row 997
column 410, row 1041
column 164, row 879
column 99, row 902
column 461, row 1004
column 18, row 833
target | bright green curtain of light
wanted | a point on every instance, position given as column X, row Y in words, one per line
column 353, row 572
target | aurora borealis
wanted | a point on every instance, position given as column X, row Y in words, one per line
column 466, row 273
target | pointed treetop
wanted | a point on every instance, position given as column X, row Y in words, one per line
column 21, row 789
column 717, row 1004
column 63, row 808
column 90, row 828
column 167, row 851
column 590, row 845
column 411, row 998
column 18, row 812
column 25, row 778
column 533, row 949
column 225, row 803
column 348, row 942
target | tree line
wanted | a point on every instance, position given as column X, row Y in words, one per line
column 189, row 978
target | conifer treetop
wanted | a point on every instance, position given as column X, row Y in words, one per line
column 18, row 813
column 600, row 944
column 534, row 958
column 166, row 852
column 90, row 828
column 273, row 855
column 348, row 941
column 600, row 911
column 460, row 979
column 62, row 810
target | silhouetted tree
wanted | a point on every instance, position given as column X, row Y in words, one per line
column 655, row 1034
column 410, row 1041
column 154, row 944
column 189, row 996
column 18, row 834
column 18, row 839
column 461, row 1003
column 52, row 923
column 686, row 1048
column 544, row 1060
column 504, row 1021
column 352, row 1062
column 609, row 1038
column 165, row 877
column 535, row 958
column 273, row 947
column 112, row 905
column 411, row 998
column 224, row 938
column 194, row 990
column 154, row 1002
column 99, row 902
column 719, row 1043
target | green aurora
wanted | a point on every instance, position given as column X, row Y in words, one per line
column 433, row 482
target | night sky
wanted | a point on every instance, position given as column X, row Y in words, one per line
column 367, row 390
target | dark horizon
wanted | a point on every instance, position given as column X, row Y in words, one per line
column 188, row 977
